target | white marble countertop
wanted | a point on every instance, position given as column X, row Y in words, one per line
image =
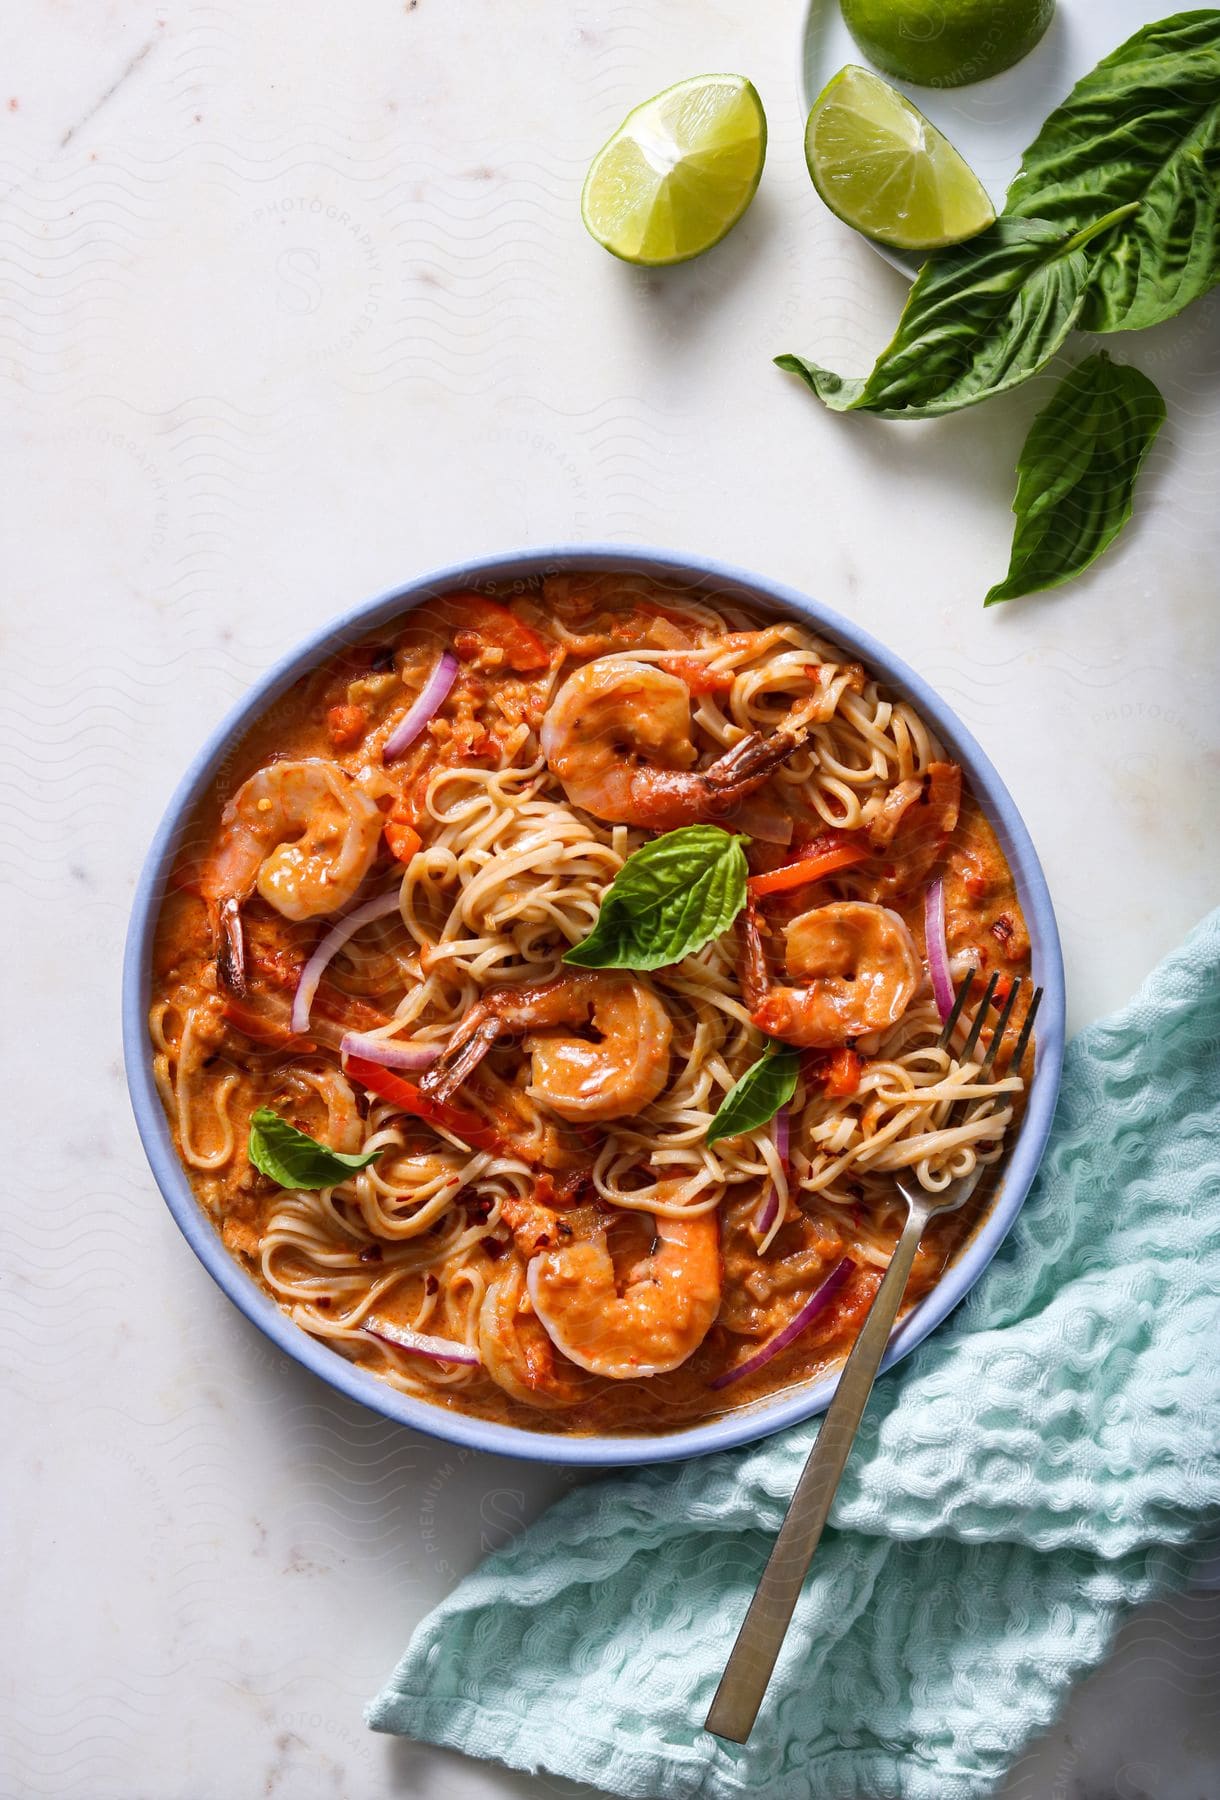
column 296, row 303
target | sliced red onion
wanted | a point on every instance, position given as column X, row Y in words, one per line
column 391, row 1053
column 938, row 948
column 783, row 1133
column 792, row 1330
column 419, row 1343
column 331, row 943
column 429, row 700
column 770, row 1205
column 766, row 1212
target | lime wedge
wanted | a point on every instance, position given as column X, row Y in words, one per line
column 884, row 169
column 679, row 171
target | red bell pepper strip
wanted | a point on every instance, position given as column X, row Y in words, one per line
column 822, row 858
column 262, row 1030
column 470, row 1127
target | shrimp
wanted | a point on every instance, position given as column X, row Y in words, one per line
column 618, row 737
column 599, row 613
column 570, row 1299
column 613, row 1078
column 858, row 970
column 650, row 1322
column 516, row 1351
column 302, row 834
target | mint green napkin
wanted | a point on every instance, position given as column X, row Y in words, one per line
column 1044, row 1461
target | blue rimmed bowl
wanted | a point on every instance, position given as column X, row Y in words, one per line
column 764, row 1416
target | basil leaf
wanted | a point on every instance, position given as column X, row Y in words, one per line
column 980, row 318
column 293, row 1159
column 766, row 1085
column 670, row 898
column 1076, row 473
column 1143, row 126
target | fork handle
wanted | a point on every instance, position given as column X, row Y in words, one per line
column 763, row 1629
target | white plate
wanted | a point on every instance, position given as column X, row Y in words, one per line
column 990, row 122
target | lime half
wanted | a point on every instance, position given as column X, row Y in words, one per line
column 883, row 168
column 679, row 171
column 946, row 43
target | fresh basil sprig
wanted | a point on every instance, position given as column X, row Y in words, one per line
column 766, row 1085
column 1076, row 474
column 293, row 1159
column 1144, row 126
column 670, row 897
column 980, row 319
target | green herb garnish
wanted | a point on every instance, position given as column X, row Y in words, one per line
column 670, row 898
column 1143, row 126
column 766, row 1085
column 1076, row 475
column 293, row 1159
column 981, row 318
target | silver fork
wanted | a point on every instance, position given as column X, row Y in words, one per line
column 765, row 1625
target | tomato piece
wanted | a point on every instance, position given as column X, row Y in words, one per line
column 346, row 725
column 488, row 622
column 699, row 678
column 838, row 1071
column 843, row 1076
column 400, row 833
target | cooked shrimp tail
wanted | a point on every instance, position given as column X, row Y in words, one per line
column 747, row 765
column 230, row 938
column 753, row 973
column 464, row 1052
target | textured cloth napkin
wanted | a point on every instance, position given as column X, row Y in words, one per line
column 1044, row 1461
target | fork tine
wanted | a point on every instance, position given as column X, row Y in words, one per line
column 984, row 1005
column 951, row 1022
column 1001, row 1025
column 1014, row 1061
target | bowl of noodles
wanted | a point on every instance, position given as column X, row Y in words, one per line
column 536, row 981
